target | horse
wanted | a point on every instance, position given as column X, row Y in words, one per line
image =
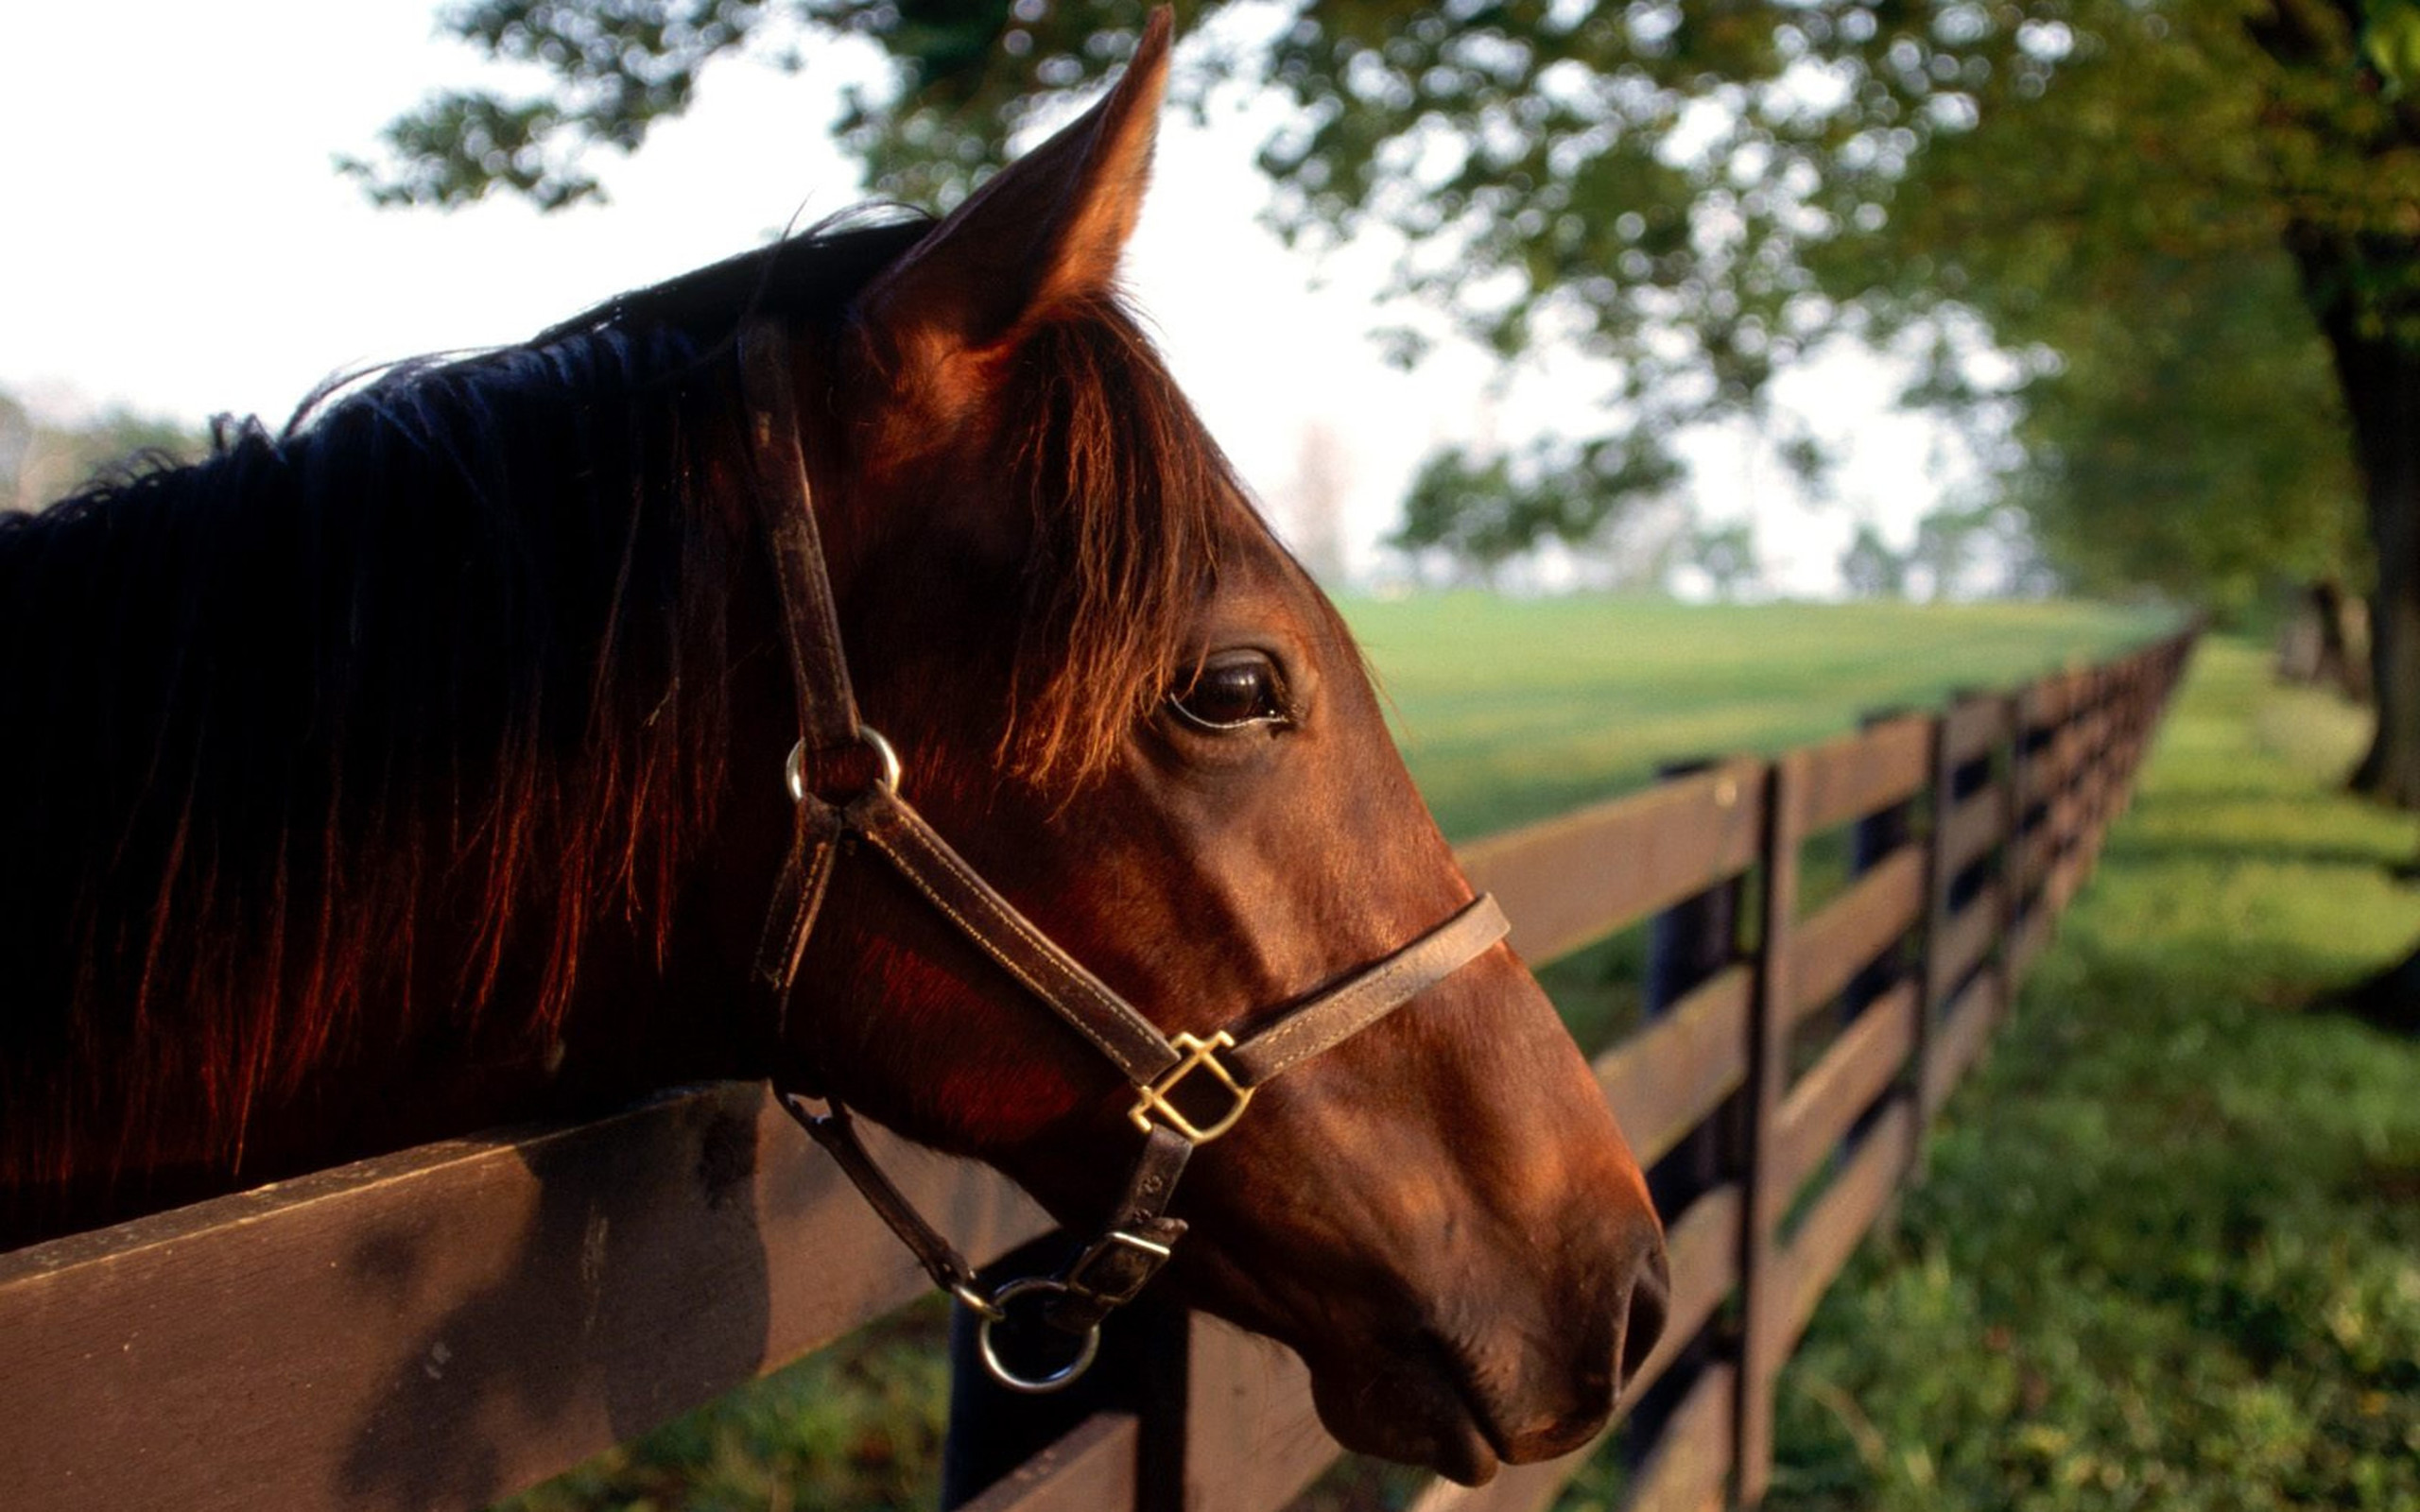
column 421, row 767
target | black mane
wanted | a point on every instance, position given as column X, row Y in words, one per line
column 300, row 736
column 378, row 727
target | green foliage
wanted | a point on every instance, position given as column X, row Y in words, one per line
column 1727, row 554
column 1482, row 512
column 2180, row 424
column 2391, row 41
column 2203, row 450
column 2148, row 190
column 1869, row 568
column 2168, row 1251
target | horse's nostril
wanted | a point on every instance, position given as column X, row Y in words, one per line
column 1650, row 1297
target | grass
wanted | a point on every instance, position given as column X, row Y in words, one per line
column 1510, row 712
column 2168, row 1252
column 1515, row 709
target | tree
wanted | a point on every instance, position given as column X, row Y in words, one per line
column 1695, row 193
column 1870, row 569
column 1482, row 511
column 1949, row 542
column 1727, row 554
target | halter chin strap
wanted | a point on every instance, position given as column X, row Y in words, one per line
column 1189, row 1089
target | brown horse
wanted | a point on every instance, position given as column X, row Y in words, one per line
column 419, row 768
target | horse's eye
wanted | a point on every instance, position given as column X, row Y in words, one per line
column 1233, row 690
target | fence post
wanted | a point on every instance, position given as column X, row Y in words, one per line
column 1141, row 1370
column 2030, row 832
column 1951, row 889
column 1940, row 885
column 1687, row 944
column 1763, row 1310
column 1872, row 841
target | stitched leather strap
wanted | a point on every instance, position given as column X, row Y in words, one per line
column 827, row 706
column 1134, row 1244
column 1114, row 1026
column 1370, row 994
column 838, row 1134
column 1088, row 1004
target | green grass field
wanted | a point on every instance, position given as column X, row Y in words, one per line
column 2160, row 1109
column 2167, row 1254
column 1513, row 710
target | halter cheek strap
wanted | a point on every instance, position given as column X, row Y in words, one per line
column 1188, row 1090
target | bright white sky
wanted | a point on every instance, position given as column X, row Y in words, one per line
column 175, row 240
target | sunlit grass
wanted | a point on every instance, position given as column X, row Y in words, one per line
column 1515, row 709
column 2168, row 1251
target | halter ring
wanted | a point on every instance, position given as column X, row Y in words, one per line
column 1050, row 1381
column 886, row 760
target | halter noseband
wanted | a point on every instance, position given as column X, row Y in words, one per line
column 1139, row 1236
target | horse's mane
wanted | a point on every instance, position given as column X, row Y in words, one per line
column 375, row 720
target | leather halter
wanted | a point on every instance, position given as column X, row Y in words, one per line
column 1138, row 1236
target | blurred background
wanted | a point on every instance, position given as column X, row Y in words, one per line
column 1766, row 363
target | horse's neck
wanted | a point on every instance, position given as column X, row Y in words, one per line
column 91, row 1132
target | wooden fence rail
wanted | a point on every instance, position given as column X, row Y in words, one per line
column 446, row 1325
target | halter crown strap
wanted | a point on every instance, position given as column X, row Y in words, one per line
column 826, row 704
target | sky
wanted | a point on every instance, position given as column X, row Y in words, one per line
column 176, row 241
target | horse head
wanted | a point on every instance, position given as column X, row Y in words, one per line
column 436, row 782
column 1141, row 722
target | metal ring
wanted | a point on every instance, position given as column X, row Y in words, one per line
column 888, row 780
column 794, row 771
column 1031, row 1385
column 886, row 758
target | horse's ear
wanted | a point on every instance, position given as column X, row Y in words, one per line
column 1043, row 232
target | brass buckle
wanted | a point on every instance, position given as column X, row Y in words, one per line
column 1199, row 1054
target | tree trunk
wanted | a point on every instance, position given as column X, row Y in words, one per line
column 2343, row 651
column 2381, row 377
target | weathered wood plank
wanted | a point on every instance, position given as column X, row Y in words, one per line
column 2046, row 772
column 1964, row 941
column 448, row 1324
column 1841, row 1217
column 1973, row 726
column 2030, row 938
column 1686, row 1468
column 1768, row 1035
column 1703, row 1248
column 1845, row 936
column 1880, row 764
column 1854, row 1071
column 1664, row 1079
column 1957, row 1040
column 1972, row 828
column 1571, row 880
column 1090, row 1469
column 1252, row 1438
column 2036, row 853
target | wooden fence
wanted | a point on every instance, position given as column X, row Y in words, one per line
column 446, row 1325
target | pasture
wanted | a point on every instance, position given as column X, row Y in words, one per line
column 1590, row 678
column 2168, row 1250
